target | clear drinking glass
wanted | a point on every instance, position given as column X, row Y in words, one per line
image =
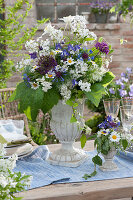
column 111, row 107
column 126, row 114
column 127, row 101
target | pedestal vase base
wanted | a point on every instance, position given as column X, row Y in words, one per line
column 66, row 158
column 108, row 166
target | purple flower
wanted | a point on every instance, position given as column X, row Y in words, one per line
column 85, row 56
column 103, row 47
column 131, row 88
column 129, row 70
column 40, row 48
column 131, row 93
column 122, row 92
column 124, row 79
column 123, row 74
column 46, row 64
column 122, row 85
column 118, row 82
column 33, row 55
column 111, row 90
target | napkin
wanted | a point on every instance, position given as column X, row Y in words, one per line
column 19, row 150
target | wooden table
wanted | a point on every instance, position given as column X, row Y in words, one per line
column 95, row 190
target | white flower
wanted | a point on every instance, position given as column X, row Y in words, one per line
column 56, row 35
column 34, row 68
column 34, row 85
column 45, row 45
column 84, row 86
column 2, row 149
column 65, row 93
column 31, row 46
column 70, row 61
column 103, row 132
column 3, row 181
column 67, row 19
column 114, row 137
column 50, row 74
column 46, row 86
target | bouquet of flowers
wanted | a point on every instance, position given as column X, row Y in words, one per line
column 11, row 182
column 122, row 87
column 101, row 6
column 63, row 67
column 110, row 136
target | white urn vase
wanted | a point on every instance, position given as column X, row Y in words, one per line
column 66, row 132
column 108, row 164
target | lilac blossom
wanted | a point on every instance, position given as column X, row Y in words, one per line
column 129, row 70
column 122, row 92
column 122, row 86
column 131, row 93
column 118, row 82
column 131, row 88
column 112, row 91
column 124, row 79
column 123, row 74
column 103, row 47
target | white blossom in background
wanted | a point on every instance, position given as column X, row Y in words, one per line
column 56, row 35
column 85, row 86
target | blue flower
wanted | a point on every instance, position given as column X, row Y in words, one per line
column 90, row 51
column 70, row 47
column 58, row 46
column 92, row 58
column 33, row 55
column 74, row 82
column 76, row 47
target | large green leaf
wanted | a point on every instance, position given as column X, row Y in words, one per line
column 107, row 79
column 51, row 98
column 30, row 100
column 97, row 90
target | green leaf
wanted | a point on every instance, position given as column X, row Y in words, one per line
column 107, row 79
column 97, row 160
column 2, row 140
column 100, row 39
column 30, row 100
column 69, row 102
column 86, row 176
column 97, row 90
column 75, row 105
column 83, row 140
column 112, row 10
column 73, row 119
column 124, row 143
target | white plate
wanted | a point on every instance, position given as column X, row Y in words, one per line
column 21, row 150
